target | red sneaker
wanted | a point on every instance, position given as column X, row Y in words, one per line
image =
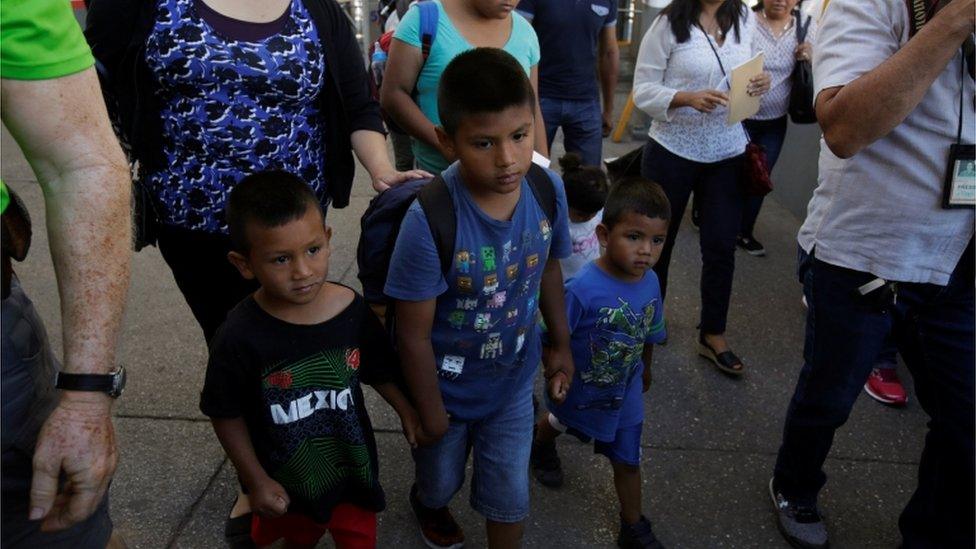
column 884, row 386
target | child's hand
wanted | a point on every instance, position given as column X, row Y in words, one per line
column 410, row 421
column 558, row 386
column 646, row 378
column 558, row 363
column 268, row 498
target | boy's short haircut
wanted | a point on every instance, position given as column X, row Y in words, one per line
column 269, row 198
column 638, row 195
column 482, row 80
column 586, row 186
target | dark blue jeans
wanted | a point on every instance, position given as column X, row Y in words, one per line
column 933, row 327
column 716, row 185
column 770, row 134
column 582, row 124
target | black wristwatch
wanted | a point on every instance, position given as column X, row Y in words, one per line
column 111, row 384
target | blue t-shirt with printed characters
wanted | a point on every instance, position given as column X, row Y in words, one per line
column 610, row 321
column 485, row 332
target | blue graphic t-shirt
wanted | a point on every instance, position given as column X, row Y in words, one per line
column 230, row 108
column 610, row 321
column 485, row 335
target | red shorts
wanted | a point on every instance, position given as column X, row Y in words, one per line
column 352, row 527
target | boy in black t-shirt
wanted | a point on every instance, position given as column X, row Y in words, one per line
column 283, row 380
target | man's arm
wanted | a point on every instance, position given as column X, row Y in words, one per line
column 63, row 129
column 865, row 110
column 608, row 65
column 414, row 320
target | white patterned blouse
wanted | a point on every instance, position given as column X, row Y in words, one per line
column 665, row 67
column 778, row 60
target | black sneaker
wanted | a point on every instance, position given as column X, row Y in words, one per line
column 695, row 218
column 801, row 525
column 437, row 527
column 546, row 466
column 637, row 536
column 751, row 246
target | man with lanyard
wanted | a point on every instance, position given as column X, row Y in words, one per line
column 578, row 39
column 58, row 452
column 888, row 247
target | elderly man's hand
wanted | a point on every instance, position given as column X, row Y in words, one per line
column 79, row 439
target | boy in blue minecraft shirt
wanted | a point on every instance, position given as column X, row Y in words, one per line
column 615, row 316
column 468, row 338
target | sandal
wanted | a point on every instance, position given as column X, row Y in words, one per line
column 726, row 361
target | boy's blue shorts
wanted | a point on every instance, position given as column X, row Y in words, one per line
column 501, row 444
column 624, row 448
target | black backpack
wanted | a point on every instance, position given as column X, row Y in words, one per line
column 380, row 226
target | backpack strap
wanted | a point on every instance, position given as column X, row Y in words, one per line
column 543, row 189
column 428, row 26
column 438, row 205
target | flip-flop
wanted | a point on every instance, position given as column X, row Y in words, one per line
column 725, row 361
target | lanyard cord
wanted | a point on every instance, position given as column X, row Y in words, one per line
column 962, row 88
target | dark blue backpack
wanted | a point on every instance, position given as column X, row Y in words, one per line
column 380, row 225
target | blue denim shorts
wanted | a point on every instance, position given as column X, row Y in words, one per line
column 501, row 444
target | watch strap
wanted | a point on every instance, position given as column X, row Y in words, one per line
column 85, row 382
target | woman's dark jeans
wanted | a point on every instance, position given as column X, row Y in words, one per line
column 207, row 280
column 770, row 134
column 716, row 185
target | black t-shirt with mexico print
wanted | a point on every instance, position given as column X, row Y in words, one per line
column 298, row 389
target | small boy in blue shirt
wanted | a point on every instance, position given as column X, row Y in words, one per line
column 615, row 314
column 468, row 338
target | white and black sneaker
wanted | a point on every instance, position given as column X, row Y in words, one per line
column 751, row 246
column 801, row 525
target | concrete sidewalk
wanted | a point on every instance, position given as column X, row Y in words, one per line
column 710, row 440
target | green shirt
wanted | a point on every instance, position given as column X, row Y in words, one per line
column 40, row 39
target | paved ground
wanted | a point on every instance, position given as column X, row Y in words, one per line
column 709, row 446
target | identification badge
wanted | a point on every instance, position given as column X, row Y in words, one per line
column 960, row 179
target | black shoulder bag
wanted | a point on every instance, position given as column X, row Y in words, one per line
column 801, row 92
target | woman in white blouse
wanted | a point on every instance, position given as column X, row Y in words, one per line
column 776, row 36
column 680, row 82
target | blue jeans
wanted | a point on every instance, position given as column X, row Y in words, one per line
column 582, row 124
column 934, row 328
column 500, row 478
column 716, row 185
column 770, row 134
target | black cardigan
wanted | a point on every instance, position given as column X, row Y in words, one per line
column 117, row 31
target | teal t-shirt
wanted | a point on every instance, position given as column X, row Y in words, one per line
column 448, row 43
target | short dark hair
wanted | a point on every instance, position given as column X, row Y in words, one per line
column 638, row 195
column 482, row 80
column 586, row 186
column 271, row 199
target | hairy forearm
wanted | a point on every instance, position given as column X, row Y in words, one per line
column 871, row 106
column 552, row 304
column 233, row 436
column 370, row 149
column 62, row 127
